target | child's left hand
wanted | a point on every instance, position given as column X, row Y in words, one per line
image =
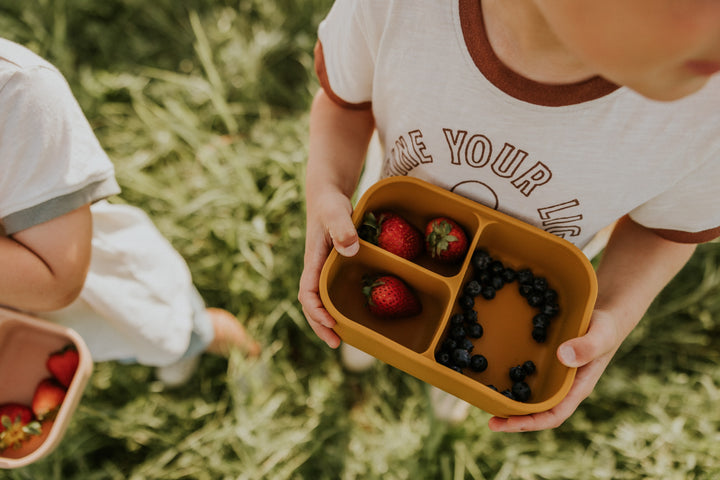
column 636, row 266
column 591, row 354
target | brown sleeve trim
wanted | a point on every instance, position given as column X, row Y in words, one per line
column 680, row 236
column 321, row 73
column 688, row 237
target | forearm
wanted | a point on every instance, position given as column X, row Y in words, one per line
column 338, row 144
column 26, row 279
column 636, row 266
column 44, row 267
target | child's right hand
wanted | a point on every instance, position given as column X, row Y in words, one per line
column 329, row 225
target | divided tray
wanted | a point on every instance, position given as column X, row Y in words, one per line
column 411, row 344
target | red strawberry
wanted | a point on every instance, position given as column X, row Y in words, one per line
column 388, row 296
column 63, row 363
column 48, row 397
column 445, row 240
column 17, row 423
column 393, row 233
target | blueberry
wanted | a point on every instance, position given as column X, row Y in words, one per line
column 524, row 276
column 540, row 284
column 535, row 299
column 508, row 275
column 478, row 363
column 508, row 393
column 480, row 259
column 472, row 288
column 517, row 374
column 457, row 319
column 466, row 344
column 521, row 391
column 470, row 316
column 497, row 282
column 550, row 309
column 456, row 368
column 443, row 357
column 488, row 293
column 493, row 387
column 525, row 290
column 449, row 344
column 550, row 295
column 483, row 277
column 539, row 334
column 529, row 367
column 457, row 332
column 496, row 267
column 460, row 358
column 466, row 302
column 475, row 330
column 541, row 320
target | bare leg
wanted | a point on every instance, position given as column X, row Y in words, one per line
column 230, row 335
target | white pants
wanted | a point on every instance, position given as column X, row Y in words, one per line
column 139, row 303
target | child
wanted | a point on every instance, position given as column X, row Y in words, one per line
column 70, row 256
column 568, row 114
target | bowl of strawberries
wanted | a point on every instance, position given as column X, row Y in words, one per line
column 461, row 296
column 44, row 368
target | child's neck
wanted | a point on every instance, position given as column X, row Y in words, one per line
column 523, row 41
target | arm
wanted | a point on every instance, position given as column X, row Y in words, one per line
column 636, row 266
column 44, row 267
column 339, row 139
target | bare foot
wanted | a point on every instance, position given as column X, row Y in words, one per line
column 230, row 335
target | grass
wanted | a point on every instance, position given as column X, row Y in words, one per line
column 202, row 106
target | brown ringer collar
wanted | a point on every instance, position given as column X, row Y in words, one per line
column 515, row 85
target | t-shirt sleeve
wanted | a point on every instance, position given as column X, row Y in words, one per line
column 348, row 40
column 688, row 212
column 51, row 160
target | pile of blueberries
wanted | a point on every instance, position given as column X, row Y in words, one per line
column 489, row 276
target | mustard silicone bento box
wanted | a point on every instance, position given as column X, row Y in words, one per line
column 411, row 344
column 25, row 343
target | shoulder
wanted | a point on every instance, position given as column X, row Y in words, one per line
column 16, row 56
column 31, row 88
column 25, row 76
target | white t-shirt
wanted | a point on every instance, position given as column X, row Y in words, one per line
column 51, row 162
column 138, row 302
column 570, row 159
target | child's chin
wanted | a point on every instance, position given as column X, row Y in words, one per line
column 670, row 93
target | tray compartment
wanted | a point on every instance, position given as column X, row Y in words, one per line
column 346, row 298
column 25, row 343
column 418, row 208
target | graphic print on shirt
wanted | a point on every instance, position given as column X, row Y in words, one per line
column 474, row 150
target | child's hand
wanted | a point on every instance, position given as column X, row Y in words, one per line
column 591, row 354
column 636, row 266
column 329, row 225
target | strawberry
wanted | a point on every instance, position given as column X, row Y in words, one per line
column 17, row 423
column 445, row 240
column 49, row 395
column 388, row 296
column 63, row 363
column 393, row 233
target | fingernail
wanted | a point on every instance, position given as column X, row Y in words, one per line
column 567, row 355
column 348, row 251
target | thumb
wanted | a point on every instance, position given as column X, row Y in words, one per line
column 600, row 339
column 343, row 234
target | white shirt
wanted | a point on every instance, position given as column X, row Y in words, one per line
column 570, row 159
column 50, row 160
column 138, row 302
